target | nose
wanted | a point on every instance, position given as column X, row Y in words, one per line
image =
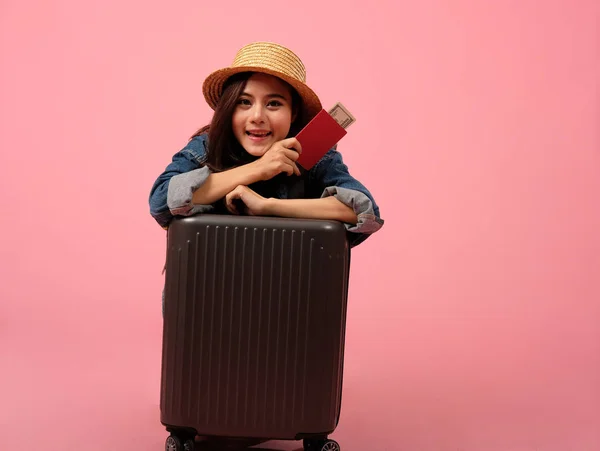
column 258, row 114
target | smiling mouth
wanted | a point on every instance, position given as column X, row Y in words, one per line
column 258, row 134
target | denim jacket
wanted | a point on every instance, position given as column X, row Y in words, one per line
column 172, row 192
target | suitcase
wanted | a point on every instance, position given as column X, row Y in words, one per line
column 254, row 326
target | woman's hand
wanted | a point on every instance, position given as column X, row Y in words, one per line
column 255, row 204
column 281, row 157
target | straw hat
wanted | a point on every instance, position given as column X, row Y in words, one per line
column 268, row 58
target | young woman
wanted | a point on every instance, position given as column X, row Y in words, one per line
column 244, row 162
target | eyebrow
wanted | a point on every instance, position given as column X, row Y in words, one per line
column 271, row 96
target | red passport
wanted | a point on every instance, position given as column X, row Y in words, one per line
column 317, row 137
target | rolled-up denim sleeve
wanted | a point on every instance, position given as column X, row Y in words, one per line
column 172, row 192
column 333, row 178
column 181, row 191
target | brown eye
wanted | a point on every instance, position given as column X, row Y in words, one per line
column 245, row 102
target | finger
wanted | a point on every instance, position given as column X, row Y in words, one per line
column 292, row 169
column 292, row 143
column 297, row 146
column 288, row 168
column 292, row 165
column 229, row 202
column 231, row 208
column 291, row 154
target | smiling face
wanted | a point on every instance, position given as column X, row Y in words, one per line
column 263, row 113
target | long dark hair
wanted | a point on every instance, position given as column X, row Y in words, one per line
column 223, row 149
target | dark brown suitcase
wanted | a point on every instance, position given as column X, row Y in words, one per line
column 254, row 325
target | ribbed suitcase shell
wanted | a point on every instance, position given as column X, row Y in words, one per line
column 254, row 326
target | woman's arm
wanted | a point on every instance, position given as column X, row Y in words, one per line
column 279, row 158
column 218, row 184
column 324, row 208
column 187, row 186
column 330, row 178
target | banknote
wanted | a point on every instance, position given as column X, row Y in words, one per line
column 341, row 115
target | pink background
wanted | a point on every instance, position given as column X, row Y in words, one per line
column 474, row 319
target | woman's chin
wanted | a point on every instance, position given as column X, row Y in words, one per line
column 256, row 150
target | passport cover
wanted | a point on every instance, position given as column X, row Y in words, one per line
column 319, row 135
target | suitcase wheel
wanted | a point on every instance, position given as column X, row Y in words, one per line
column 173, row 443
column 320, row 445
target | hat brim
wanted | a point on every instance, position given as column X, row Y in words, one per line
column 212, row 88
